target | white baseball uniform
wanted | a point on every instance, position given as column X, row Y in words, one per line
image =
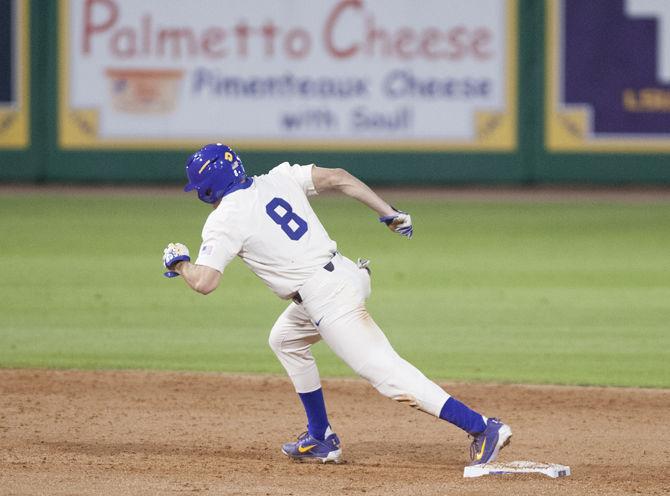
column 273, row 229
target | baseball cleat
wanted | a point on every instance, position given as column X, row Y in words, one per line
column 486, row 445
column 308, row 448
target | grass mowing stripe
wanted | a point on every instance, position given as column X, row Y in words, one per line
column 547, row 293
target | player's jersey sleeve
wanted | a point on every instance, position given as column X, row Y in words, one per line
column 301, row 174
column 221, row 241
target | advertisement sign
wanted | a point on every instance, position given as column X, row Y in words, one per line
column 14, row 73
column 277, row 74
column 608, row 75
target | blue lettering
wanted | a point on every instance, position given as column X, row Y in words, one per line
column 404, row 84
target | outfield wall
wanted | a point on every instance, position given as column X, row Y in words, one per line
column 493, row 91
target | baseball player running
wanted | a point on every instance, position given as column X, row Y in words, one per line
column 268, row 222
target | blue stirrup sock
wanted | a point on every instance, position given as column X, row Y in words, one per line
column 461, row 416
column 315, row 408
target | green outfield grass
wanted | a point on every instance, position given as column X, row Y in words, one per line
column 514, row 292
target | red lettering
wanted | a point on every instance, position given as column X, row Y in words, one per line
column 480, row 41
column 376, row 37
column 405, row 42
column 269, row 31
column 431, row 37
column 455, row 38
column 174, row 37
column 329, row 28
column 242, row 36
column 351, row 29
column 90, row 27
column 297, row 43
column 211, row 42
column 146, row 34
column 123, row 43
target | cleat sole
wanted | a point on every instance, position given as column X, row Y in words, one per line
column 334, row 457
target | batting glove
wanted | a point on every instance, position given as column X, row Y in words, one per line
column 364, row 263
column 175, row 252
column 400, row 222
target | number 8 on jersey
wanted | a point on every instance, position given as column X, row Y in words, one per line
column 281, row 212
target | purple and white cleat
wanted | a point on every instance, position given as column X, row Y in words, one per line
column 308, row 448
column 486, row 445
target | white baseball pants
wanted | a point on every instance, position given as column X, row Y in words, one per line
column 333, row 309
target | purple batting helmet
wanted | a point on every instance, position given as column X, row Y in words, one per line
column 214, row 171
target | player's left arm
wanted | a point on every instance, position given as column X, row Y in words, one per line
column 325, row 179
column 200, row 278
column 340, row 180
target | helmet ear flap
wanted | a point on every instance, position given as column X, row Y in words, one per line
column 206, row 194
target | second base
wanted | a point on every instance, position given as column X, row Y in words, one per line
column 520, row 467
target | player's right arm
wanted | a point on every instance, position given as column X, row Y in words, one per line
column 325, row 179
column 199, row 278
column 222, row 239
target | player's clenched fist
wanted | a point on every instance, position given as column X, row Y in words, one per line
column 173, row 253
column 400, row 222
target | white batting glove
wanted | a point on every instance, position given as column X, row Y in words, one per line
column 400, row 222
column 175, row 252
column 364, row 263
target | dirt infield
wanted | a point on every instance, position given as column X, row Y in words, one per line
column 72, row 432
